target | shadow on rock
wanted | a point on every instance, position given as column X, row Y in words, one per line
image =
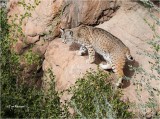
column 74, row 47
column 128, row 72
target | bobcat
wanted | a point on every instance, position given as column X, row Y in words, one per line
column 104, row 43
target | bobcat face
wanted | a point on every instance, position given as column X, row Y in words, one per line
column 67, row 36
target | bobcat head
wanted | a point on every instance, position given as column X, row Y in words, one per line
column 67, row 36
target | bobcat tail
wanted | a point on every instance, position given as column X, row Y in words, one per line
column 129, row 57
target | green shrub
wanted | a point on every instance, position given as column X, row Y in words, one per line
column 31, row 58
column 93, row 97
column 21, row 100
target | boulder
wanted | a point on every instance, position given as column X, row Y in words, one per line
column 48, row 15
column 38, row 25
column 66, row 65
column 89, row 12
column 124, row 19
column 43, row 19
column 128, row 25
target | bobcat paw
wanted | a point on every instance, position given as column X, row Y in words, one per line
column 118, row 84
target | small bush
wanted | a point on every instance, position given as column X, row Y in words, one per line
column 93, row 97
column 21, row 100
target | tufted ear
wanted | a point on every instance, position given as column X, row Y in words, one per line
column 61, row 30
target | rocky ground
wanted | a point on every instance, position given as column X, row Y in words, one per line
column 124, row 19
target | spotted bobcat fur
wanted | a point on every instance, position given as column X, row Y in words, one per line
column 93, row 39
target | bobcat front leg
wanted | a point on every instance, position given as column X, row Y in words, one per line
column 91, row 53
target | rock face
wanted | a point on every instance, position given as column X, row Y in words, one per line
column 129, row 26
column 49, row 15
column 43, row 22
column 90, row 12
column 40, row 20
column 65, row 64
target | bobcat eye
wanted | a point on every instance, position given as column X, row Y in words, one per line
column 132, row 58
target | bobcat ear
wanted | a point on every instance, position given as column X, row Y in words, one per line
column 61, row 30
